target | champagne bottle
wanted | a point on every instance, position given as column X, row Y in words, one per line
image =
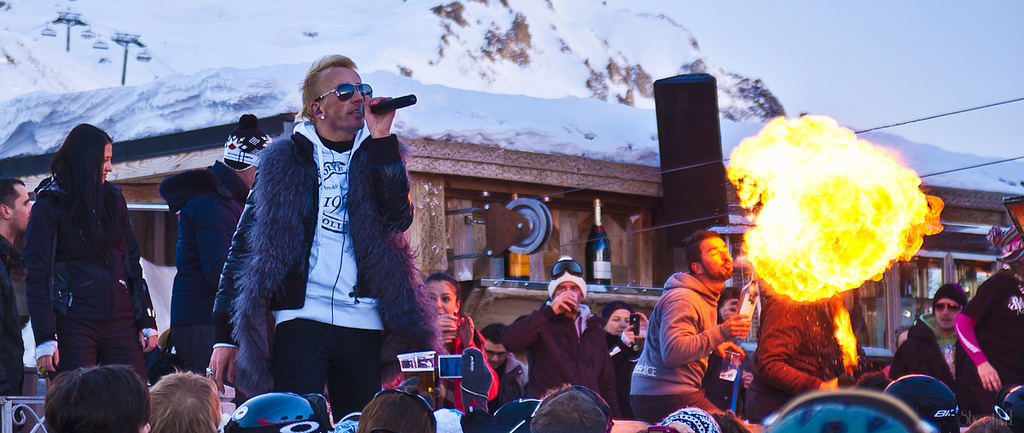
column 599, row 253
column 517, row 266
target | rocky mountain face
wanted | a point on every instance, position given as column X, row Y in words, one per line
column 596, row 50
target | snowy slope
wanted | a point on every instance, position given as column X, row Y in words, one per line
column 511, row 73
column 549, row 49
column 567, row 126
column 30, row 66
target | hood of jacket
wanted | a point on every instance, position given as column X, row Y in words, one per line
column 220, row 179
column 685, row 280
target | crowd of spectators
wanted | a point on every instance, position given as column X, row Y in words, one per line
column 301, row 290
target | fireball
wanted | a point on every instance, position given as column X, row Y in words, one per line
column 831, row 211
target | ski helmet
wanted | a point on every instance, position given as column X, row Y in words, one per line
column 514, row 416
column 847, row 411
column 281, row 412
column 933, row 401
column 1009, row 406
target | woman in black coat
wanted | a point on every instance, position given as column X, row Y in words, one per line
column 85, row 286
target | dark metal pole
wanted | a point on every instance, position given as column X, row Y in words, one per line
column 124, row 67
column 68, row 46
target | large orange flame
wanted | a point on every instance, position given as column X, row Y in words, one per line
column 844, row 334
column 831, row 211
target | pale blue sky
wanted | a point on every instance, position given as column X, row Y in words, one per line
column 873, row 63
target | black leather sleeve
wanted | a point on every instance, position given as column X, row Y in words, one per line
column 391, row 183
column 226, row 291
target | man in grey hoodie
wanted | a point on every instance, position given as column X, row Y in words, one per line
column 684, row 330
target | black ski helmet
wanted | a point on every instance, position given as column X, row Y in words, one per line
column 281, row 412
column 847, row 411
column 933, row 401
column 1009, row 406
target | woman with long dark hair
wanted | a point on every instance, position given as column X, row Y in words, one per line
column 85, row 286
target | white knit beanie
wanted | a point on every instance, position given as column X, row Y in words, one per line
column 567, row 277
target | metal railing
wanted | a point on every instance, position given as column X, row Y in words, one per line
column 22, row 414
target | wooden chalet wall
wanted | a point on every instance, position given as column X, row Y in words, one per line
column 451, row 176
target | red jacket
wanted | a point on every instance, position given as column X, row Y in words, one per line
column 467, row 336
column 796, row 347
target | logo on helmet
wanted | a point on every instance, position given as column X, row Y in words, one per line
column 301, row 427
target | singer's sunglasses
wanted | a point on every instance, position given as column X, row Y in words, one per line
column 346, row 91
column 944, row 307
column 570, row 266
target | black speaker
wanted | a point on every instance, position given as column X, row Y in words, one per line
column 693, row 178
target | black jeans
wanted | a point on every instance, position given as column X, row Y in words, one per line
column 86, row 343
column 308, row 354
column 762, row 404
column 654, row 408
column 194, row 344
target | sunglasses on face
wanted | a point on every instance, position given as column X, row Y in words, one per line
column 944, row 307
column 570, row 266
column 346, row 91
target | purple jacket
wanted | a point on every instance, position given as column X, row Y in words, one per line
column 557, row 355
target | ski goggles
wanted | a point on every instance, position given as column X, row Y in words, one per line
column 570, row 266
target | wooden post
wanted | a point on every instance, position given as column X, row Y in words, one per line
column 427, row 235
column 638, row 249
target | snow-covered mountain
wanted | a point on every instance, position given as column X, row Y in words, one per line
column 30, row 66
column 549, row 49
column 566, row 77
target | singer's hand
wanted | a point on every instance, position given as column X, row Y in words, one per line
column 379, row 124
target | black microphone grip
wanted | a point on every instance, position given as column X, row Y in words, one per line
column 393, row 104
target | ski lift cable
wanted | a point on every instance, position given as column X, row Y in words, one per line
column 723, row 160
column 966, row 110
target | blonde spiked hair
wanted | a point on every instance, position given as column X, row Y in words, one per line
column 311, row 85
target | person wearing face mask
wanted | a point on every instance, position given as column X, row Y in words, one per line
column 563, row 340
column 320, row 287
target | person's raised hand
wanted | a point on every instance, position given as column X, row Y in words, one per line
column 565, row 303
column 729, row 309
column 449, row 324
column 378, row 124
column 737, row 326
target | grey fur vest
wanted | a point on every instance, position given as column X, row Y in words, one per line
column 278, row 231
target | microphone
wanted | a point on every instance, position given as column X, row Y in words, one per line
column 393, row 104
